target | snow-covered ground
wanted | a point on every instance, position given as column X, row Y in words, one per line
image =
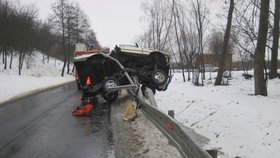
column 39, row 76
column 237, row 123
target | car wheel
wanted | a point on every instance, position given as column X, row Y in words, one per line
column 110, row 96
column 159, row 77
column 109, row 83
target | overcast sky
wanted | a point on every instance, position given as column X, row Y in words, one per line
column 114, row 21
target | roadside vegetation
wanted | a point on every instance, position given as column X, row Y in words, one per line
column 237, row 34
column 22, row 33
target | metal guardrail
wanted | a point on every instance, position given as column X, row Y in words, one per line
column 171, row 128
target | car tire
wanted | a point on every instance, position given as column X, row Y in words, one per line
column 109, row 82
column 110, row 96
column 159, row 77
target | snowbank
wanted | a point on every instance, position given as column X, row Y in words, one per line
column 236, row 122
column 37, row 77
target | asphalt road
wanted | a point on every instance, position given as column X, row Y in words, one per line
column 42, row 126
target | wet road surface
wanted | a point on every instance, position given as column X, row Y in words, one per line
column 42, row 126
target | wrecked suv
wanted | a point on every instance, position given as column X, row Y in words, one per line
column 106, row 73
column 151, row 66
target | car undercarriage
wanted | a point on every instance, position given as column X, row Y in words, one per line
column 109, row 73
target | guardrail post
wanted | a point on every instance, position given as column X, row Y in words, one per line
column 171, row 113
column 151, row 97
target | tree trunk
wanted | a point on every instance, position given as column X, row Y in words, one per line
column 178, row 42
column 65, row 55
column 190, row 66
column 43, row 60
column 5, row 58
column 48, row 59
column 200, row 35
column 68, row 44
column 20, row 62
column 274, row 57
column 225, row 45
column 259, row 65
column 63, row 40
column 11, row 60
column 68, row 59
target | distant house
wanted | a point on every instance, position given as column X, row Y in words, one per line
column 211, row 59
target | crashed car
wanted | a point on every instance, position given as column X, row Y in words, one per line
column 151, row 66
column 96, row 74
column 99, row 72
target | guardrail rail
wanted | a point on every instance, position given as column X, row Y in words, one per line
column 171, row 128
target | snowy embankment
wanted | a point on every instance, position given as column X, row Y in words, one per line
column 43, row 76
column 237, row 123
column 37, row 77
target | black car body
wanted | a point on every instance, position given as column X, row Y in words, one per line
column 114, row 70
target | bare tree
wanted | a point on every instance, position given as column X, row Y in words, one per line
column 225, row 45
column 175, row 12
column 259, row 65
column 215, row 45
column 4, row 36
column 199, row 13
column 70, row 31
column 26, row 33
column 21, row 32
column 275, row 46
column 245, row 25
column 46, row 41
column 159, row 18
column 59, row 20
column 187, row 41
column 245, row 22
column 192, row 47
